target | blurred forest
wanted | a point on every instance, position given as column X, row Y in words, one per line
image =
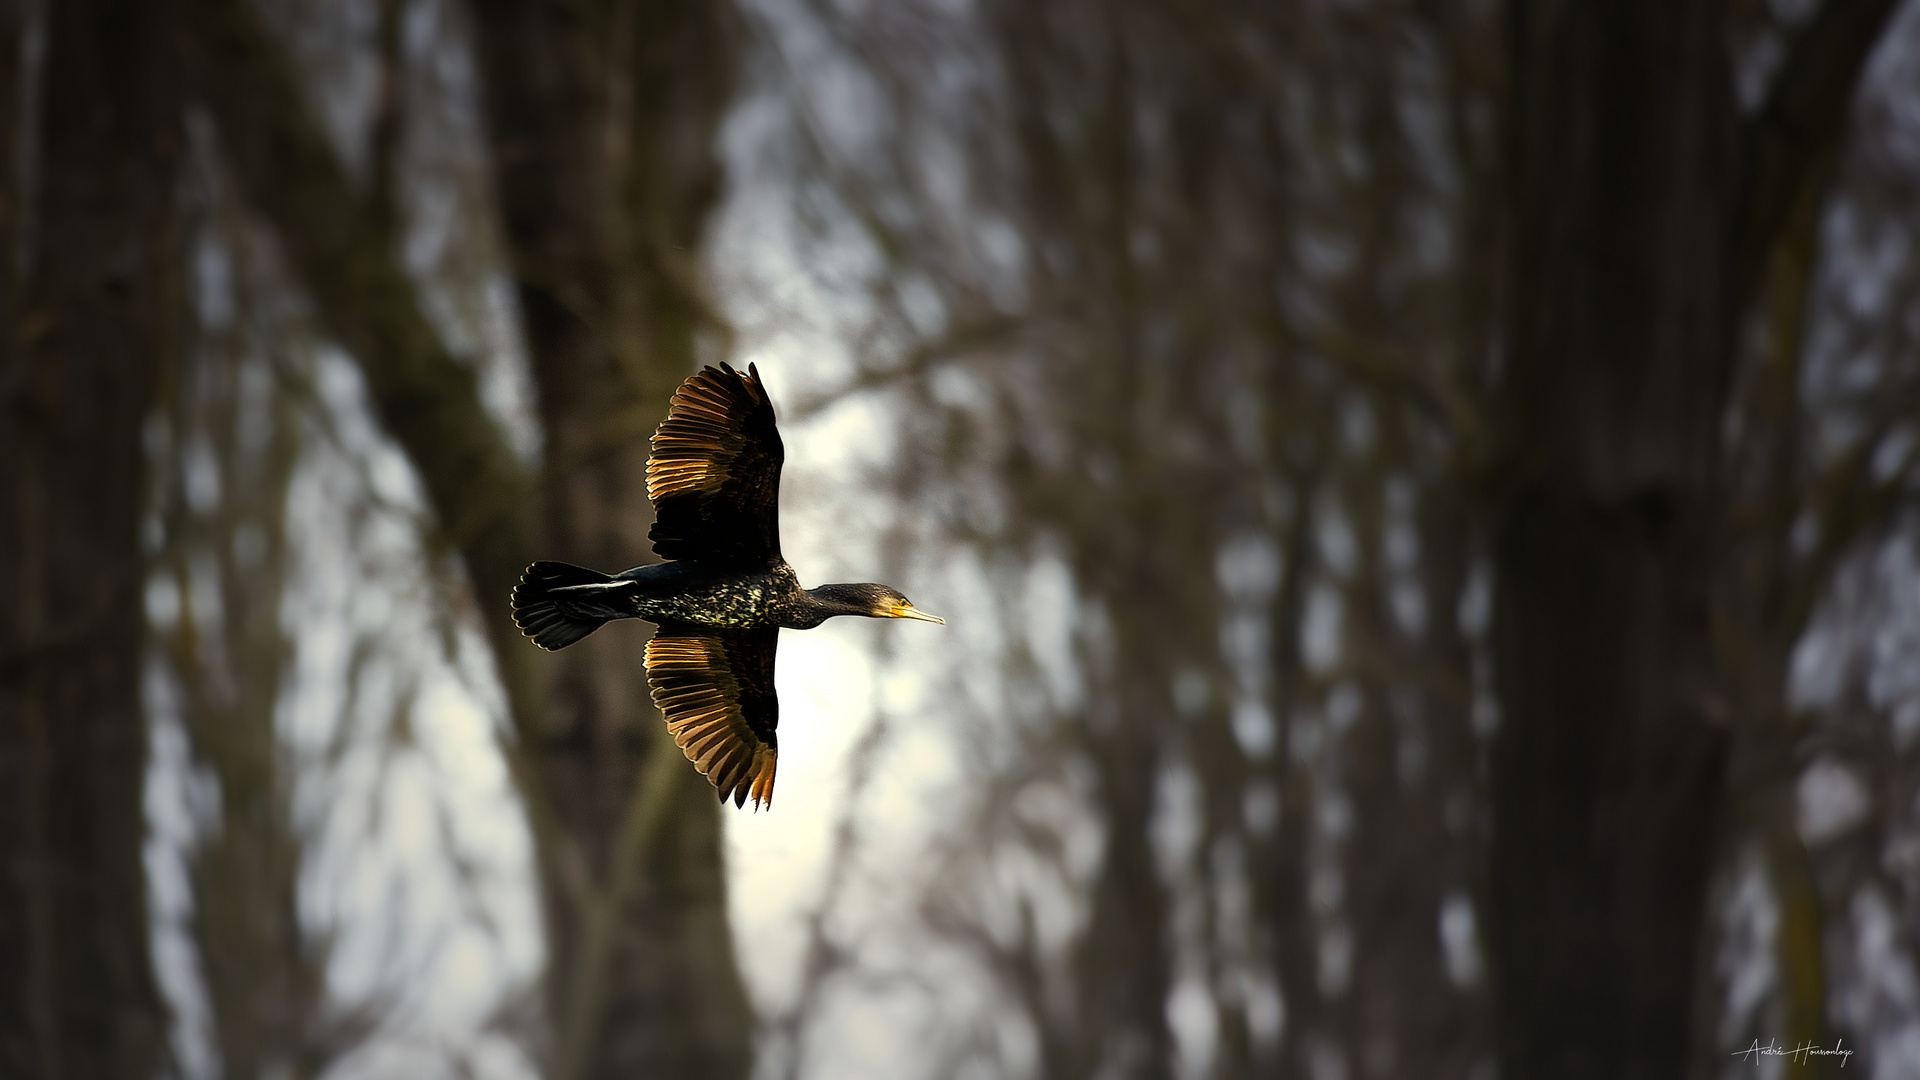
column 1425, row 495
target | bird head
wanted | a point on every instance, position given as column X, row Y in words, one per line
column 873, row 601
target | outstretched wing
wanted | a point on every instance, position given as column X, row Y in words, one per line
column 714, row 472
column 716, row 690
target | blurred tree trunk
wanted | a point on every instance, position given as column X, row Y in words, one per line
column 1638, row 207
column 88, row 322
column 603, row 118
column 1608, row 762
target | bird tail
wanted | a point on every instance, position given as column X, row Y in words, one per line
column 554, row 623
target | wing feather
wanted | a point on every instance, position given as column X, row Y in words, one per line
column 714, row 472
column 715, row 688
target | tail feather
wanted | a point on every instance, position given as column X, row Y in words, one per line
column 550, row 621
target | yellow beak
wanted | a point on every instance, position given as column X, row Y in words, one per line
column 908, row 611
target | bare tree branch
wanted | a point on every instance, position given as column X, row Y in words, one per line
column 425, row 397
column 1790, row 143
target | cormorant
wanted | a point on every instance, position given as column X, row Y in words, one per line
column 724, row 594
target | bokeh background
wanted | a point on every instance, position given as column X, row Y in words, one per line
column 1423, row 495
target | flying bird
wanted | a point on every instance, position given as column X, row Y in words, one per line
column 724, row 593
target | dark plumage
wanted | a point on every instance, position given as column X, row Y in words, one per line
column 714, row 478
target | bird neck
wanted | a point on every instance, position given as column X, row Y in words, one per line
column 828, row 601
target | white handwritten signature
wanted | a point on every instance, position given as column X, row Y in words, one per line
column 1799, row 1054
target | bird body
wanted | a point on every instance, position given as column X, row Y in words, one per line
column 689, row 591
column 692, row 591
column 721, row 600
